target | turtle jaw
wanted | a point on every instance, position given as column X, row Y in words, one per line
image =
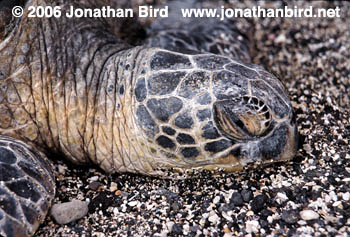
column 235, row 159
column 259, row 153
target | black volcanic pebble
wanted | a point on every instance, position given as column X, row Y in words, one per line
column 177, row 229
column 258, row 203
column 247, row 195
column 175, row 206
column 265, row 213
column 236, row 199
column 290, row 216
column 263, row 223
column 95, row 185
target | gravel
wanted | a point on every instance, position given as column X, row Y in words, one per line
column 308, row 215
column 306, row 196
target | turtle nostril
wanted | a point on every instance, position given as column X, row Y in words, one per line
column 236, row 152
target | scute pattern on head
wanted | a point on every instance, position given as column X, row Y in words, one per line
column 184, row 120
column 193, row 84
column 164, row 83
column 217, row 110
column 166, row 61
column 164, row 108
column 242, row 70
column 210, row 62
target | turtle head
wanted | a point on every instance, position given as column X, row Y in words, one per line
column 203, row 111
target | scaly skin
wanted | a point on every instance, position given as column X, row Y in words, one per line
column 53, row 94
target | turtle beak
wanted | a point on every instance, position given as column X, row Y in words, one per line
column 280, row 145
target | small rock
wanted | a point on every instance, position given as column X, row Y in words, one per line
column 346, row 196
column 266, row 213
column 214, row 218
column 67, row 212
column 195, row 228
column 227, row 230
column 250, row 213
column 170, row 196
column 176, row 206
column 133, row 203
column 116, row 211
column 302, row 222
column 236, row 199
column 334, row 196
column 258, row 203
column 124, row 208
column 99, row 234
column 280, row 39
column 114, row 187
column 170, row 225
column 156, row 221
column 290, row 216
column 216, row 200
column 247, row 195
column 94, row 185
column 202, row 222
column 93, row 178
column 177, row 229
column 186, row 228
column 252, row 226
column 270, row 219
column 337, row 204
column 281, row 197
column 309, row 215
column 286, row 183
column 62, row 169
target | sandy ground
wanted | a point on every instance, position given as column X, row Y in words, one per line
column 306, row 196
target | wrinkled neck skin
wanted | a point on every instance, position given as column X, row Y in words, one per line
column 65, row 86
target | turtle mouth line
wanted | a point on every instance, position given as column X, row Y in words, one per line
column 228, row 167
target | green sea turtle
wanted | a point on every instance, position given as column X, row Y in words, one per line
column 71, row 85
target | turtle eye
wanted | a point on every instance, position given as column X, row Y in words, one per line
column 242, row 118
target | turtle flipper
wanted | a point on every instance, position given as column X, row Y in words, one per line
column 26, row 188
